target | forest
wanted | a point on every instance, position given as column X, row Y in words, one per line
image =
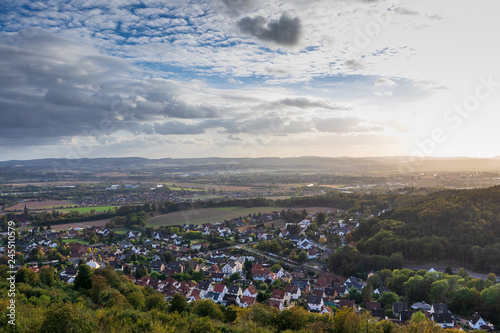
column 459, row 225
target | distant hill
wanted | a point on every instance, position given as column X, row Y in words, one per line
column 305, row 163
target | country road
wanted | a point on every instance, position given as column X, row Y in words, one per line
column 442, row 268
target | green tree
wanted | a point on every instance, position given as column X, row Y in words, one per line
column 178, row 303
column 388, row 298
column 84, row 277
column 137, row 300
column 302, row 256
column 47, row 274
column 26, row 275
column 99, row 288
column 321, row 218
column 156, row 301
column 68, row 317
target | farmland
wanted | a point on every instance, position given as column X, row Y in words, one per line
column 214, row 215
column 71, row 240
column 97, row 209
column 87, row 224
column 40, row 205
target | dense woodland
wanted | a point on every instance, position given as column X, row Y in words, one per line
column 105, row 301
column 460, row 225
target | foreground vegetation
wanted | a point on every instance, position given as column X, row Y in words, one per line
column 105, row 301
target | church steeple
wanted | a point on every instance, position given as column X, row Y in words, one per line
column 25, row 215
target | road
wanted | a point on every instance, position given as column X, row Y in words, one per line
column 442, row 268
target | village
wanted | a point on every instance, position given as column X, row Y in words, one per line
column 239, row 262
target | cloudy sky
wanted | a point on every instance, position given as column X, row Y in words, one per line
column 249, row 78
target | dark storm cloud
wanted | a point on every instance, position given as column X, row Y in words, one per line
column 285, row 31
column 52, row 87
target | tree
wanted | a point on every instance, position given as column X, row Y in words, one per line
column 84, row 277
column 156, row 301
column 388, row 298
column 366, row 293
column 418, row 317
column 27, row 276
column 68, row 317
column 248, row 265
column 492, row 278
column 47, row 276
column 234, row 277
column 354, row 295
column 321, row 218
column 302, row 256
column 439, row 290
column 178, row 303
column 137, row 300
column 207, row 308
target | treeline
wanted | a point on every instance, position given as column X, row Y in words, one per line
column 348, row 261
column 106, row 301
column 463, row 225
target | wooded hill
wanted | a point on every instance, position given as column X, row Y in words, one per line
column 462, row 225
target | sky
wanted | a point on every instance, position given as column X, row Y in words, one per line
column 249, row 78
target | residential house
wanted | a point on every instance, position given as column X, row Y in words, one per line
column 353, row 282
column 398, row 307
column 373, row 306
column 341, row 290
column 229, row 299
column 177, row 266
column 220, row 288
column 205, row 287
column 404, row 316
column 230, row 268
column 304, row 244
column 280, row 295
column 293, row 292
column 378, row 313
column 251, row 291
column 381, row 290
column 299, row 273
column 217, row 277
column 276, row 304
column 235, row 290
column 77, row 248
column 315, row 303
column 344, row 303
column 327, row 310
column 331, row 293
column 478, row 323
column 421, row 306
column 157, row 266
column 303, row 285
column 438, row 308
column 260, row 273
column 216, row 297
column 313, row 253
column 445, row 320
column 247, row 301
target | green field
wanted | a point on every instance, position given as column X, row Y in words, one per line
column 88, row 209
column 213, row 215
column 73, row 240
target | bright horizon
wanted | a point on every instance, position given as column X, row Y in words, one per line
column 248, row 78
